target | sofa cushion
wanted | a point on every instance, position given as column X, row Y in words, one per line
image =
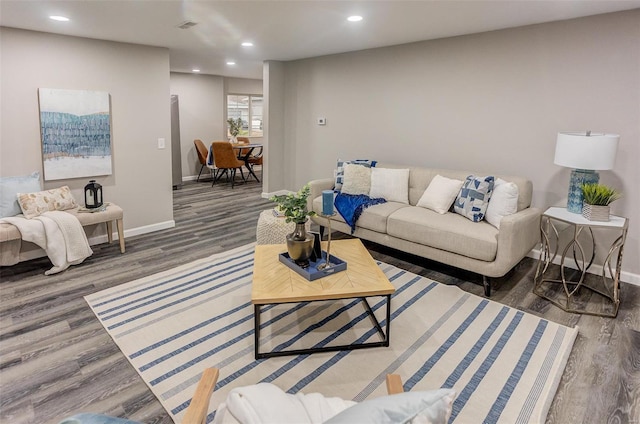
column 390, row 184
column 440, row 194
column 339, row 172
column 474, row 197
column 357, row 179
column 373, row 218
column 504, row 201
column 450, row 232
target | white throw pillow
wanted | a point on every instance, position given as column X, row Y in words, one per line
column 356, row 179
column 390, row 184
column 433, row 406
column 440, row 194
column 504, row 201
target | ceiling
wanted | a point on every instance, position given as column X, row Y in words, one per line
column 282, row 30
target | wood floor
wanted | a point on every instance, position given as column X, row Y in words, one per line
column 56, row 359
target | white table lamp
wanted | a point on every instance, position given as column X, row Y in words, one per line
column 585, row 153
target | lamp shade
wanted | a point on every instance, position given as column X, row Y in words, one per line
column 586, row 150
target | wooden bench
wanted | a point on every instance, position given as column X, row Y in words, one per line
column 10, row 233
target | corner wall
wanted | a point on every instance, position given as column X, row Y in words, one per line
column 202, row 100
column 137, row 79
column 491, row 102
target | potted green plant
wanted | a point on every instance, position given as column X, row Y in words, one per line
column 235, row 126
column 596, row 201
column 294, row 208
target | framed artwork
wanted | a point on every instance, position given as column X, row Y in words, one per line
column 75, row 126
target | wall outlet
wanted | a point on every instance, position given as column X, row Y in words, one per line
column 322, row 121
column 161, row 143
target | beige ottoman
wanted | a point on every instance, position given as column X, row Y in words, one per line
column 273, row 230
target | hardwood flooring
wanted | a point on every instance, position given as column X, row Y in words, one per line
column 56, row 359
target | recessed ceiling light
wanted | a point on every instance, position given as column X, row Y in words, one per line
column 59, row 18
column 231, row 62
column 354, row 18
column 247, row 44
column 195, row 70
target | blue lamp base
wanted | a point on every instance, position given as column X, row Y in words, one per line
column 579, row 177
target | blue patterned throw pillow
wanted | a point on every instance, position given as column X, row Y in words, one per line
column 339, row 172
column 473, row 199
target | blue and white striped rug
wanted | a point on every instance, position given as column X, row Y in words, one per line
column 504, row 364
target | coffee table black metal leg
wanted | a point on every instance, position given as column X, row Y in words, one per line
column 383, row 343
column 256, row 330
column 373, row 318
column 388, row 320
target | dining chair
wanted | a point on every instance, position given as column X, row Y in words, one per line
column 255, row 160
column 226, row 161
column 243, row 152
column 211, row 164
column 202, row 151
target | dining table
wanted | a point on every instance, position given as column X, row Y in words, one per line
column 244, row 153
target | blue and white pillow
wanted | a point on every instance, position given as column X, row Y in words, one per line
column 473, row 199
column 339, row 172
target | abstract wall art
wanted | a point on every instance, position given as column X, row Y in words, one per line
column 76, row 133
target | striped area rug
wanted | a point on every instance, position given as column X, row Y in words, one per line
column 504, row 364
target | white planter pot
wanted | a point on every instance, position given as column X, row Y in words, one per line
column 595, row 212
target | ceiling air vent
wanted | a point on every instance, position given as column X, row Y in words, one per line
column 187, row 24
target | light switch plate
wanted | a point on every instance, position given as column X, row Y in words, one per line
column 161, row 143
column 322, row 121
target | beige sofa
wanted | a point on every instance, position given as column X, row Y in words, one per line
column 450, row 238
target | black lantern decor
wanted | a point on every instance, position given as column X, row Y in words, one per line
column 93, row 195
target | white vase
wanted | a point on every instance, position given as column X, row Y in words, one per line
column 595, row 212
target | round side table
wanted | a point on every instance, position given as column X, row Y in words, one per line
column 273, row 229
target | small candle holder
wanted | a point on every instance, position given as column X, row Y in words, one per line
column 327, row 264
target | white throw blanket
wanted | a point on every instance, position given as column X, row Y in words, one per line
column 264, row 403
column 59, row 233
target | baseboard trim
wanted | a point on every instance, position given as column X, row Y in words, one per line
column 206, row 175
column 275, row 193
column 145, row 229
column 625, row 276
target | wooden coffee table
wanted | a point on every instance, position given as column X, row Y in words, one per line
column 275, row 283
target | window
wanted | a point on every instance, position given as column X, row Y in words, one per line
column 249, row 109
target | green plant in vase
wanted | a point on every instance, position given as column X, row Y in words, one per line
column 294, row 208
column 596, row 201
column 235, row 126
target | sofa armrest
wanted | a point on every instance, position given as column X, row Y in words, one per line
column 316, row 189
column 519, row 233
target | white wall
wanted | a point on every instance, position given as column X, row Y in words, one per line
column 201, row 115
column 202, row 101
column 137, row 79
column 490, row 102
column 274, row 128
column 242, row 86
